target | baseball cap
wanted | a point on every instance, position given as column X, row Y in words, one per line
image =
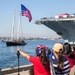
column 58, row 47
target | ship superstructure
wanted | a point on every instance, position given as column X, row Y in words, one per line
column 63, row 25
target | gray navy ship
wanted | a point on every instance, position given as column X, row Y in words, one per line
column 62, row 24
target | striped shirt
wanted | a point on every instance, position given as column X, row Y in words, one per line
column 66, row 66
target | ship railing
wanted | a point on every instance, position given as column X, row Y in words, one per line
column 55, row 19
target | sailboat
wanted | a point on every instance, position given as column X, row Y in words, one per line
column 16, row 41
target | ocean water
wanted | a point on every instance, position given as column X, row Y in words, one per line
column 8, row 55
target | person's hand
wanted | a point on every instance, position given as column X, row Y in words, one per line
column 23, row 53
column 18, row 50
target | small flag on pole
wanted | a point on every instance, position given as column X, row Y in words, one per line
column 26, row 12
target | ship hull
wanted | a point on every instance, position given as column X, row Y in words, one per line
column 14, row 43
column 63, row 27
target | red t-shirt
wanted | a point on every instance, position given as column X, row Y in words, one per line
column 38, row 67
column 71, row 61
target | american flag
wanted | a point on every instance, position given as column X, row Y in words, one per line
column 26, row 12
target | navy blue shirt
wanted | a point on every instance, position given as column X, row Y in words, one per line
column 66, row 65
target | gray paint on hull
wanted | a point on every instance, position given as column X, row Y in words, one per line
column 66, row 27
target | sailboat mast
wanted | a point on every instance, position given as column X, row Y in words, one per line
column 18, row 31
column 13, row 23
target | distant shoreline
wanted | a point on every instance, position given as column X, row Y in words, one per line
column 31, row 38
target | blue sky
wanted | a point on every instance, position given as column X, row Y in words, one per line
column 38, row 9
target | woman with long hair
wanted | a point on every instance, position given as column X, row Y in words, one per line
column 67, row 50
column 40, row 62
column 60, row 63
column 70, row 56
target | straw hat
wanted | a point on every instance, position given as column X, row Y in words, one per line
column 58, row 47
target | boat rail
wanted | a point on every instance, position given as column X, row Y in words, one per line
column 22, row 70
column 55, row 19
column 12, row 70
